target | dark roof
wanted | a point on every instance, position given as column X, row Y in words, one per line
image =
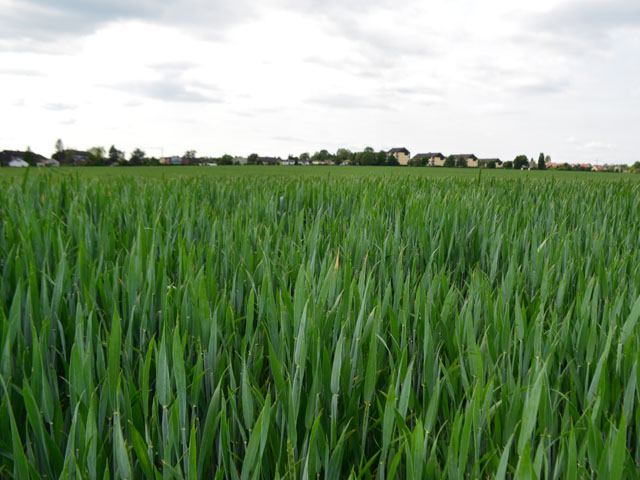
column 487, row 160
column 77, row 152
column 465, row 155
column 268, row 159
column 399, row 150
column 7, row 155
column 429, row 155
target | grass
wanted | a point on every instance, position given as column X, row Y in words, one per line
column 309, row 171
column 303, row 325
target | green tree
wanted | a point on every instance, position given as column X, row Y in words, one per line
column 419, row 161
column 461, row 162
column 491, row 164
column 344, row 155
column 450, row 161
column 137, row 157
column 304, row 157
column 29, row 156
column 321, row 156
column 520, row 161
column 225, row 160
column 366, row 157
column 542, row 165
column 252, row 159
column 508, row 165
column 115, row 155
column 59, row 154
column 382, row 159
column 97, row 156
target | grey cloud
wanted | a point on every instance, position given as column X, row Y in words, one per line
column 499, row 78
column 383, row 98
column 45, row 25
column 591, row 17
column 580, row 27
column 543, row 87
column 32, row 22
column 169, row 90
column 381, row 51
column 173, row 85
column 383, row 47
column 59, row 107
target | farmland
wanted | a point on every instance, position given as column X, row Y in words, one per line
column 163, row 173
column 403, row 323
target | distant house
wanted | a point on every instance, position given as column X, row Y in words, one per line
column 472, row 160
column 47, row 162
column 483, row 162
column 15, row 158
column 400, row 154
column 76, row 157
column 268, row 160
column 175, row 160
column 18, row 162
column 429, row 159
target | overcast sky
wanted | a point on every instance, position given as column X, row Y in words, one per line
column 496, row 78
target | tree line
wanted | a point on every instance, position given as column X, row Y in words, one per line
column 99, row 156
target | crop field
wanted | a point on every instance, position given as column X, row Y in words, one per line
column 326, row 325
column 164, row 172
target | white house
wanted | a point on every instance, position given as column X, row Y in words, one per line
column 18, row 162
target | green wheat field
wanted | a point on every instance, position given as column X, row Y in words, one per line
column 339, row 323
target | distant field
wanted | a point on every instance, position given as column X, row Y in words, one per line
column 434, row 172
